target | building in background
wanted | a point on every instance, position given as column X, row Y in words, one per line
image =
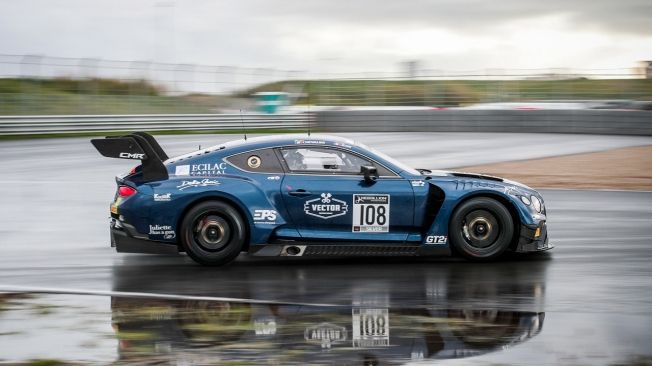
column 411, row 69
column 647, row 66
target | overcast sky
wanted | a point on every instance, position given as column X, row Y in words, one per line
column 336, row 35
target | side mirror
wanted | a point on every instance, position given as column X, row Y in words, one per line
column 370, row 173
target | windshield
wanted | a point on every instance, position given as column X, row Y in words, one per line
column 403, row 167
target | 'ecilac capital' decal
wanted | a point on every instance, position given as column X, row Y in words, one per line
column 325, row 207
column 207, row 169
column 204, row 169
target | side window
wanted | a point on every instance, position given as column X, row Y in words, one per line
column 257, row 161
column 322, row 160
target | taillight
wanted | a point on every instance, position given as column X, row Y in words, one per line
column 126, row 191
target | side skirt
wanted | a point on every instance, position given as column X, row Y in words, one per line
column 343, row 249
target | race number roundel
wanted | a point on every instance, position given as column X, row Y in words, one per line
column 253, row 161
column 371, row 213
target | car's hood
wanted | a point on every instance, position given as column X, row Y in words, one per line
column 451, row 173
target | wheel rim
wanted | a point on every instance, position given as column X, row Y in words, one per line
column 212, row 232
column 480, row 229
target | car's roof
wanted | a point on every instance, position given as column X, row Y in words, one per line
column 269, row 141
column 262, row 142
column 283, row 139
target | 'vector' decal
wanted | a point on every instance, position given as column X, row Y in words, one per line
column 326, row 207
column 325, row 334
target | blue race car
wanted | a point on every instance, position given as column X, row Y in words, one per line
column 301, row 195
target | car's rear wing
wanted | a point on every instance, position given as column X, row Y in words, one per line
column 139, row 146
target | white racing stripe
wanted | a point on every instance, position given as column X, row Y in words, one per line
column 65, row 291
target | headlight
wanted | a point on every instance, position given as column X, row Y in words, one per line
column 536, row 203
column 525, row 200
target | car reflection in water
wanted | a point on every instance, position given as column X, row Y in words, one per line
column 455, row 310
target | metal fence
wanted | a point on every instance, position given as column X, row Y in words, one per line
column 577, row 121
column 35, row 125
column 33, row 85
column 611, row 122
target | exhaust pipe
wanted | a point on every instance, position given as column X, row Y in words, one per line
column 293, row 250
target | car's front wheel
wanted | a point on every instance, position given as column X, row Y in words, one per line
column 213, row 233
column 481, row 229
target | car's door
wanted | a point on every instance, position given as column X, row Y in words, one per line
column 328, row 198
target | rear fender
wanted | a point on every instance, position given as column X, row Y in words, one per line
column 172, row 199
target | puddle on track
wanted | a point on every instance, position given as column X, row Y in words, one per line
column 82, row 328
column 314, row 312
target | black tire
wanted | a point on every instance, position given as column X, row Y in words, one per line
column 213, row 233
column 481, row 229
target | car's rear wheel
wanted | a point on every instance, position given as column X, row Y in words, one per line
column 213, row 233
column 481, row 229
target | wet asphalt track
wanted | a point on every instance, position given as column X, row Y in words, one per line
column 595, row 287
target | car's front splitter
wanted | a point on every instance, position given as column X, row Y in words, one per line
column 529, row 241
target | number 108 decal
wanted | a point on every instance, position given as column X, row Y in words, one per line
column 370, row 213
column 370, row 327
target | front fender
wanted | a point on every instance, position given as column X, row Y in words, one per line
column 458, row 191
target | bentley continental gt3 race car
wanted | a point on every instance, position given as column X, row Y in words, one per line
column 301, row 195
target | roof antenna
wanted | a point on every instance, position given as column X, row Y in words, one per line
column 244, row 130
